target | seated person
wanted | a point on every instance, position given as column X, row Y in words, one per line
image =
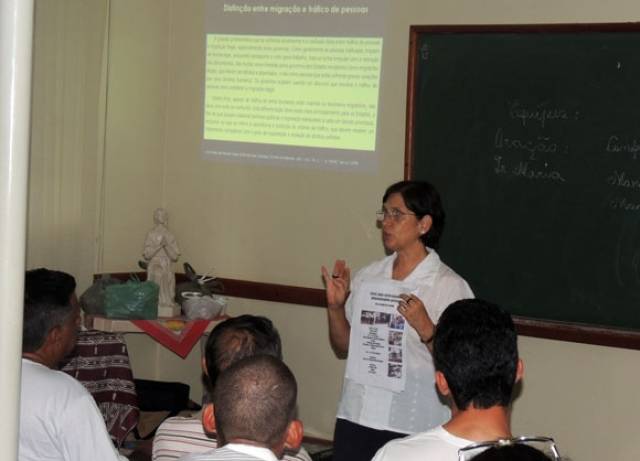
column 230, row 341
column 253, row 412
column 59, row 419
column 475, row 355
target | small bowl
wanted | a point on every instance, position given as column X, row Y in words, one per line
column 198, row 306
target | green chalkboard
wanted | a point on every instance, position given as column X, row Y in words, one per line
column 532, row 136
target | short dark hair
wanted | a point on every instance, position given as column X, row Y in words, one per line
column 48, row 286
column 39, row 318
column 47, row 295
column 515, row 452
column 475, row 346
column 255, row 399
column 422, row 199
column 237, row 338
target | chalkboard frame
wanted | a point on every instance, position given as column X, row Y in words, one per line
column 535, row 327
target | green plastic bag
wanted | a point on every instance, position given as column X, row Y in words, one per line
column 132, row 300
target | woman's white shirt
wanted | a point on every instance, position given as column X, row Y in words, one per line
column 418, row 408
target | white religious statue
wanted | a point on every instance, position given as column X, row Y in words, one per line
column 161, row 251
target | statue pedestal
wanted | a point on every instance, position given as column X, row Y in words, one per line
column 168, row 310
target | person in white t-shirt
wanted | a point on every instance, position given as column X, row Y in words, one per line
column 411, row 220
column 475, row 353
column 59, row 419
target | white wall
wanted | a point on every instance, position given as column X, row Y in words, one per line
column 67, row 132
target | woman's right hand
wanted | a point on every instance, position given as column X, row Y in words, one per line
column 337, row 284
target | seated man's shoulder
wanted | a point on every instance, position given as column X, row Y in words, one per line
column 223, row 453
column 300, row 455
column 219, row 454
column 57, row 383
column 182, row 425
column 180, row 435
column 435, row 442
column 52, row 405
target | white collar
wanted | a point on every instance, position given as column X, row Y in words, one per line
column 252, row 450
column 34, row 363
column 426, row 269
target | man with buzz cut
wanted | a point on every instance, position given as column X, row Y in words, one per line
column 475, row 355
column 253, row 412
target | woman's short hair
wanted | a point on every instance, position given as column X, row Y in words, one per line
column 422, row 199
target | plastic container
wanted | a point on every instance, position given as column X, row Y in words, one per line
column 198, row 306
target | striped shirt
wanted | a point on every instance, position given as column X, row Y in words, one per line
column 179, row 435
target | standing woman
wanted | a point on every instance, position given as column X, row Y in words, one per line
column 412, row 220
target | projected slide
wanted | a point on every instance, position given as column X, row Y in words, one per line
column 285, row 85
column 304, row 91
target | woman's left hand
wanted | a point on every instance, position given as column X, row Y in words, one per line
column 414, row 311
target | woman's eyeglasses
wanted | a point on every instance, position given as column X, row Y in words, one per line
column 395, row 215
column 544, row 444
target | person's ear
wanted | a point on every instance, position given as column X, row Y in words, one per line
column 208, row 418
column 519, row 370
column 55, row 336
column 203, row 364
column 442, row 384
column 295, row 432
column 425, row 224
